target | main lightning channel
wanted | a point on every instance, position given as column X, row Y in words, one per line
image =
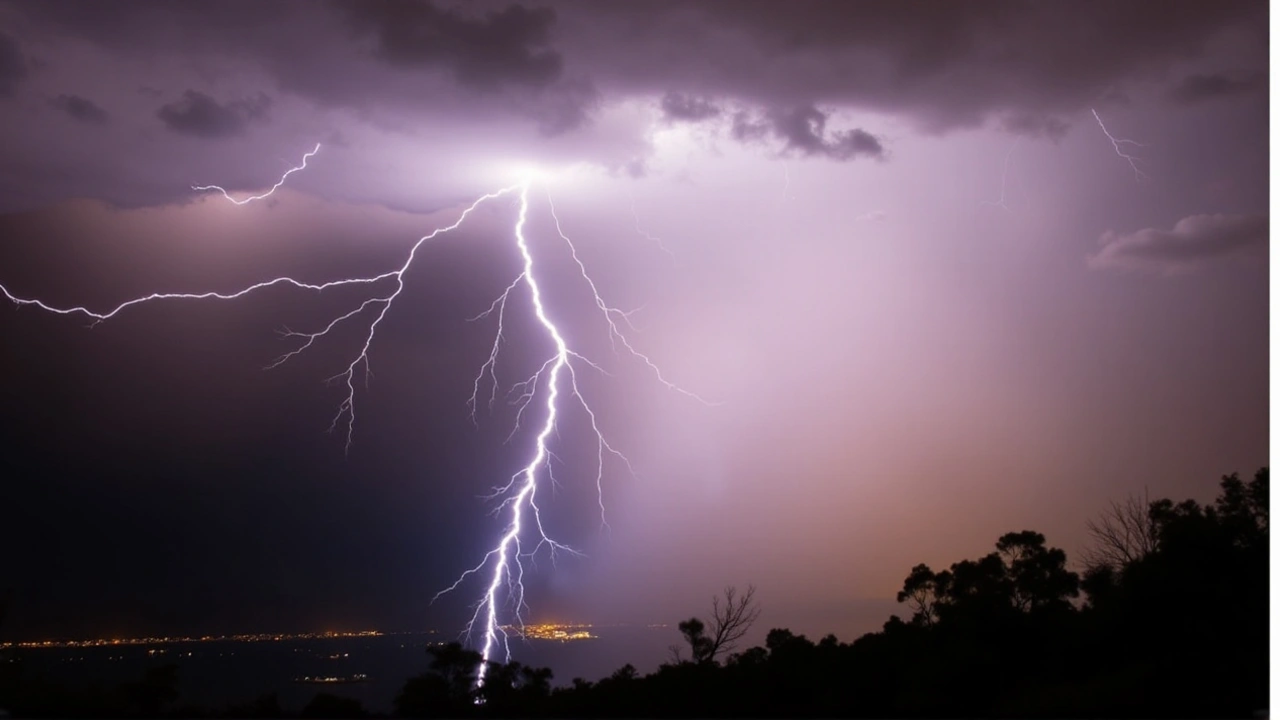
column 511, row 540
column 518, row 498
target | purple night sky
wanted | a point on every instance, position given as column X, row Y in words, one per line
column 932, row 302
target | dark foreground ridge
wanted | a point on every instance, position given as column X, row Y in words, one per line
column 1168, row 619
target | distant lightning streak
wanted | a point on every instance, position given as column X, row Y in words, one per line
column 1004, row 180
column 524, row 536
column 267, row 194
column 1117, row 143
column 644, row 233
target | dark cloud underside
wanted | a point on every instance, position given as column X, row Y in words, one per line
column 80, row 108
column 508, row 46
column 13, row 66
column 199, row 115
column 1200, row 88
column 684, row 108
column 1192, row 240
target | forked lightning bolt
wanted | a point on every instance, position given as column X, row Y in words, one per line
column 1118, row 144
column 555, row 381
column 268, row 193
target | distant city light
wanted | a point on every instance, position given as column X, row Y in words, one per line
column 165, row 640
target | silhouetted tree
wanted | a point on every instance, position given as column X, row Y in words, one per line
column 922, row 591
column 512, row 688
column 1125, row 533
column 1038, row 575
column 266, row 705
column 1243, row 508
column 731, row 619
column 447, row 689
column 157, row 688
column 326, row 705
column 978, row 590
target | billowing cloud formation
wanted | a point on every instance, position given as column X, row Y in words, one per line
column 562, row 107
column 1192, row 241
column 199, row 115
column 804, row 130
column 947, row 65
column 13, row 67
column 501, row 47
column 1199, row 88
column 79, row 108
column 678, row 107
column 560, row 82
column 1035, row 125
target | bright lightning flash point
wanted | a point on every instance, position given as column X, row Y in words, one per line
column 555, row 381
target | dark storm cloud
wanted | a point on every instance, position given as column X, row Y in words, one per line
column 80, row 108
column 1035, row 125
column 564, row 106
column 804, row 130
column 508, row 46
column 947, row 65
column 746, row 128
column 13, row 66
column 381, row 59
column 199, row 115
column 942, row 65
column 1192, row 240
column 677, row 107
column 1199, row 88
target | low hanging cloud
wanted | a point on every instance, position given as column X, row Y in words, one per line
column 1035, row 125
column 199, row 115
column 562, row 107
column 507, row 46
column 13, row 66
column 1194, row 89
column 678, row 107
column 804, row 130
column 505, row 67
column 81, row 109
column 942, row 65
column 1194, row 240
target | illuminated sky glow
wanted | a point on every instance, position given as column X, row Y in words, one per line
column 930, row 297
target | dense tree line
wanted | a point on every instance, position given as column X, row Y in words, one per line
column 1168, row 618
